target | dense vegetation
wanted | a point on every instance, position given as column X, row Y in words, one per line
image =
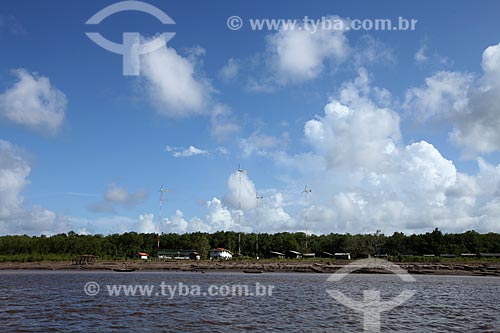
column 68, row 246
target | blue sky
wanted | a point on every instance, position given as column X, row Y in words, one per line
column 409, row 140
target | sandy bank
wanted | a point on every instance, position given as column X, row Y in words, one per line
column 296, row 266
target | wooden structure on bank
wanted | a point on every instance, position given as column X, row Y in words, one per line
column 86, row 259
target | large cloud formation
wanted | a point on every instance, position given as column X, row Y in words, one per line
column 365, row 178
column 364, row 175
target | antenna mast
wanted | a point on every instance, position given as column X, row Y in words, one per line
column 306, row 191
column 257, row 243
column 240, row 171
column 160, row 212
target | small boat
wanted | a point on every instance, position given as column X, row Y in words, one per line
column 124, row 269
column 253, row 271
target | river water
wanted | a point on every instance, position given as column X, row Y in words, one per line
column 40, row 301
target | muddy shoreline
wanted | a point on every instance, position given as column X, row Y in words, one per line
column 285, row 266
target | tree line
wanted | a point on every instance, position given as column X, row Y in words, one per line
column 127, row 245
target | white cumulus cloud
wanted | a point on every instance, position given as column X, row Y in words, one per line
column 175, row 86
column 354, row 131
column 33, row 102
column 301, row 55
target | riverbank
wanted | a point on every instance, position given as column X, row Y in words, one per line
column 293, row 266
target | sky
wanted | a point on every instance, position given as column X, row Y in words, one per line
column 394, row 130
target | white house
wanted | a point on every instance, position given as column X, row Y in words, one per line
column 142, row 255
column 220, row 253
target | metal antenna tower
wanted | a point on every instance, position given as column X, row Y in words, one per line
column 240, row 171
column 306, row 192
column 160, row 212
column 257, row 243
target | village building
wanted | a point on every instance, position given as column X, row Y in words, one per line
column 220, row 253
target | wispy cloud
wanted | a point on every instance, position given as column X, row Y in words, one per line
column 424, row 56
column 230, row 70
column 185, row 152
column 11, row 25
column 118, row 196
column 194, row 151
column 468, row 102
column 80, row 194
column 223, row 123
